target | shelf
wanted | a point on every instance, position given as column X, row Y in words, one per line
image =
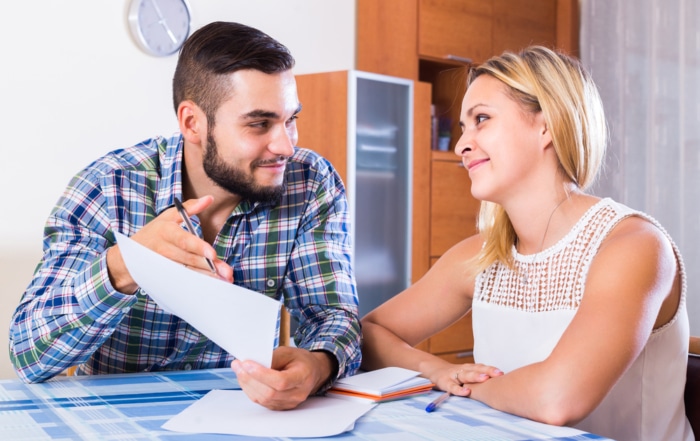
column 438, row 155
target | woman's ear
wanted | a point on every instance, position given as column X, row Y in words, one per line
column 192, row 122
column 545, row 134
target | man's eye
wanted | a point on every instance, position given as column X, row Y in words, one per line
column 260, row 124
column 292, row 119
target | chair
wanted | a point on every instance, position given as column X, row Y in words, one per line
column 285, row 328
column 692, row 386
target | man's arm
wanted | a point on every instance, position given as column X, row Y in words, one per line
column 70, row 307
column 320, row 289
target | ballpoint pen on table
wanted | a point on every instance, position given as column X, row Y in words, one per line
column 437, row 401
column 185, row 217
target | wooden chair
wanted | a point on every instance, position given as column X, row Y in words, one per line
column 285, row 327
column 692, row 386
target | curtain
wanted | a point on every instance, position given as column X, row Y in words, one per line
column 645, row 58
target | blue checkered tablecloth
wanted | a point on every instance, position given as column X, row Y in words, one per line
column 134, row 406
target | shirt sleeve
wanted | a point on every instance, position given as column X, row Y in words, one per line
column 320, row 289
column 70, row 307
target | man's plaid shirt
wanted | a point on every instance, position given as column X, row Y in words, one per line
column 298, row 249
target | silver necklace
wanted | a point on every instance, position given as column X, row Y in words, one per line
column 526, row 276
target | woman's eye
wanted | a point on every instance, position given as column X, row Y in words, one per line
column 480, row 118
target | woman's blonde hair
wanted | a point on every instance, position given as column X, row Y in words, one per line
column 543, row 80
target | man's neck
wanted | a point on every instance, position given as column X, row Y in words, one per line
column 196, row 184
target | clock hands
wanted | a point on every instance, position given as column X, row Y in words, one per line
column 162, row 22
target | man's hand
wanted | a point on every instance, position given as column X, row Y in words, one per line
column 295, row 374
column 165, row 236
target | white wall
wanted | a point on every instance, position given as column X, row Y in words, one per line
column 74, row 86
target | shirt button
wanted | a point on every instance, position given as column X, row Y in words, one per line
column 188, row 367
column 270, row 283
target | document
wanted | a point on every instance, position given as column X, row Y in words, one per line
column 241, row 321
column 385, row 384
column 232, row 412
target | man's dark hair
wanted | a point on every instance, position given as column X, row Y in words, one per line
column 216, row 50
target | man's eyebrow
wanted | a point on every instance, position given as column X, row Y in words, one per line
column 266, row 114
column 259, row 113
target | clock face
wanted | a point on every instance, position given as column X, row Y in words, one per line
column 160, row 27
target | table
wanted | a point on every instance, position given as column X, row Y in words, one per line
column 134, row 406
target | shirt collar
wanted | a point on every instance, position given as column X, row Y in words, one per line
column 170, row 184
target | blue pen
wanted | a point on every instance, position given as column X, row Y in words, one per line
column 437, row 401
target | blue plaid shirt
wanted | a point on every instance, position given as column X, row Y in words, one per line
column 298, row 249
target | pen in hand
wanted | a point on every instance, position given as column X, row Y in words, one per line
column 185, row 217
column 437, row 401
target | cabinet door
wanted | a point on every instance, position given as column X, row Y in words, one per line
column 453, row 210
column 387, row 31
column 517, row 24
column 456, row 342
column 323, row 122
column 455, row 28
column 380, row 190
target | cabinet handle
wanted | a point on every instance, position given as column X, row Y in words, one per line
column 464, row 60
column 464, row 354
column 460, row 164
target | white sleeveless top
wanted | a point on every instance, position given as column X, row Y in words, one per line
column 519, row 316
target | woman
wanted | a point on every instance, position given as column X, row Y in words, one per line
column 578, row 302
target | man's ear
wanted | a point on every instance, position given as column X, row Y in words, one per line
column 192, row 122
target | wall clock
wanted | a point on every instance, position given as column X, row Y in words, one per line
column 159, row 27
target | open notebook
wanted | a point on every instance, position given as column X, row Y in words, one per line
column 385, row 384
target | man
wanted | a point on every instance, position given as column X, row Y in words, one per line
column 273, row 219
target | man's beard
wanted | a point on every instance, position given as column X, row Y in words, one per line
column 236, row 180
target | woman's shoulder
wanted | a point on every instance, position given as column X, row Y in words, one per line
column 636, row 244
column 634, row 226
column 459, row 261
column 466, row 248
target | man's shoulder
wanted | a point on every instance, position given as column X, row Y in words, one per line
column 311, row 162
column 310, row 173
column 308, row 157
column 145, row 156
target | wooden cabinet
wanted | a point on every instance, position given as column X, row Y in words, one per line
column 434, row 42
column 453, row 214
column 453, row 210
column 454, row 344
column 393, row 35
column 455, row 29
column 345, row 116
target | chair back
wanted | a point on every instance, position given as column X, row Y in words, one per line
column 692, row 386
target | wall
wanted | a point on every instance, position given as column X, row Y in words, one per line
column 74, row 86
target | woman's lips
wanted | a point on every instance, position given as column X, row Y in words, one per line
column 472, row 165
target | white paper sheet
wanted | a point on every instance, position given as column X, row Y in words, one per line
column 231, row 412
column 241, row 321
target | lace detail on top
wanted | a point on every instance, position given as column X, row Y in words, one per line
column 553, row 279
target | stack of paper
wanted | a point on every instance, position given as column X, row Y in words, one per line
column 385, row 384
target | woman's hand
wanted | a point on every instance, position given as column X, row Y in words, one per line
column 456, row 378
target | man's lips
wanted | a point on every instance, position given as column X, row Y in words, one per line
column 281, row 163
